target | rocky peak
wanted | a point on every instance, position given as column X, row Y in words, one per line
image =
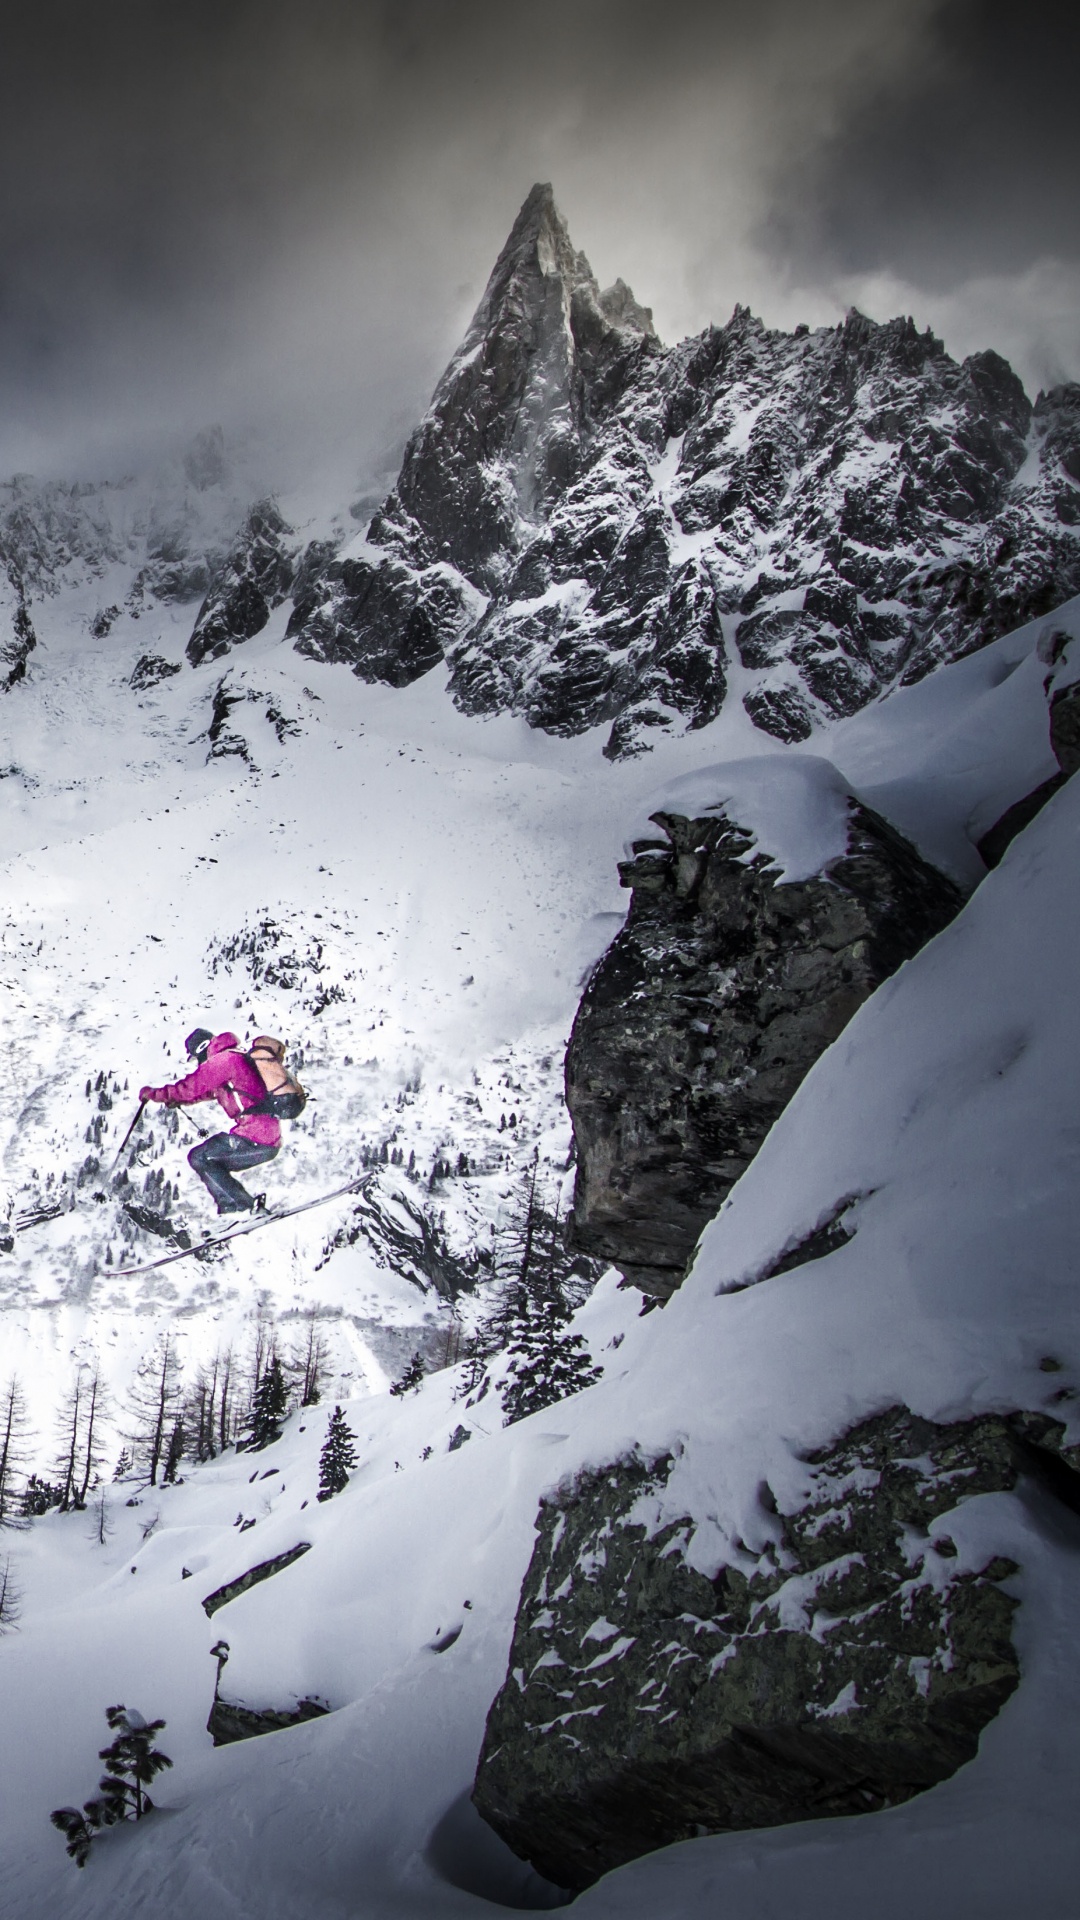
column 591, row 527
column 502, row 437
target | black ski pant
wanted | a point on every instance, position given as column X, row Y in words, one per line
column 215, row 1161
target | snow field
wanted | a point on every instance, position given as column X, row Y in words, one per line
column 439, row 848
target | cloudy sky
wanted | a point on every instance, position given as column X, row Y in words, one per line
column 283, row 214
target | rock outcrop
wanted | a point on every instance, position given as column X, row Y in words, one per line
column 709, row 1008
column 252, row 1578
column 848, row 1666
column 17, row 636
column 255, row 579
column 591, row 527
column 230, row 1721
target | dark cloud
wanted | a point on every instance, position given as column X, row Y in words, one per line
column 962, row 164
column 263, row 212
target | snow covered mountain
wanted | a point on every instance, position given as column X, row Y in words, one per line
column 806, row 1550
column 593, row 528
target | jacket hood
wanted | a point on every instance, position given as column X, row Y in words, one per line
column 223, row 1043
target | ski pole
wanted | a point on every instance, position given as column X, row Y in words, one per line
column 140, row 1110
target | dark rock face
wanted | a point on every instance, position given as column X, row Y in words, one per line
column 591, row 526
column 844, row 1669
column 707, row 1011
column 1065, row 741
column 388, row 621
column 17, row 636
column 264, row 1571
column 229, row 1721
column 255, row 578
column 150, row 670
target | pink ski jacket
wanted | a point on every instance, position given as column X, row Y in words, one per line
column 228, row 1076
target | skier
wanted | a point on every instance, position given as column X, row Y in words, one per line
column 233, row 1078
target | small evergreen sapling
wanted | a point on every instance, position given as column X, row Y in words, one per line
column 337, row 1458
column 132, row 1761
column 412, row 1378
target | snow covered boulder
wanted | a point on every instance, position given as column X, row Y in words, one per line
column 846, row 1666
column 771, row 908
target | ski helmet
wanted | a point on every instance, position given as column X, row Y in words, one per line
column 196, row 1043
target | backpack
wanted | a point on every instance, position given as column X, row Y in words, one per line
column 284, row 1098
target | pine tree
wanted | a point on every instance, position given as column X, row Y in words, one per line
column 155, row 1400
column 226, row 1414
column 338, row 1456
column 411, row 1379
column 200, row 1413
column 123, row 1465
column 77, row 1831
column 70, row 1434
column 102, row 1525
column 547, row 1362
column 13, row 1430
column 132, row 1761
column 269, row 1407
column 95, row 1407
column 175, row 1452
column 310, row 1365
column 10, row 1597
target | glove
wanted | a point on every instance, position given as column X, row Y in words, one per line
column 145, row 1094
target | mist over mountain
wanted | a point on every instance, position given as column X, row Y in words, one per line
column 282, row 220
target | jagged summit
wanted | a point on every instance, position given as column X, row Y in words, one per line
column 508, row 423
column 592, row 527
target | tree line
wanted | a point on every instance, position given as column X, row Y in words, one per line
column 234, row 1399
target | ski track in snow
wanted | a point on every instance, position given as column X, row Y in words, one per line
column 465, row 875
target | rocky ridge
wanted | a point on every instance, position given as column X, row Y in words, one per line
column 593, row 528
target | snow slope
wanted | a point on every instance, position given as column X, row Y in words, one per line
column 464, row 870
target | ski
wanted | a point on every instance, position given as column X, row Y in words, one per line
column 248, row 1226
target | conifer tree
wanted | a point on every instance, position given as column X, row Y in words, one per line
column 226, row 1411
column 10, row 1597
column 175, row 1452
column 13, row 1430
column 547, row 1361
column 70, row 1434
column 310, row 1365
column 95, row 1407
column 155, row 1401
column 411, row 1379
column 338, row 1456
column 269, row 1407
column 201, row 1411
column 132, row 1761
